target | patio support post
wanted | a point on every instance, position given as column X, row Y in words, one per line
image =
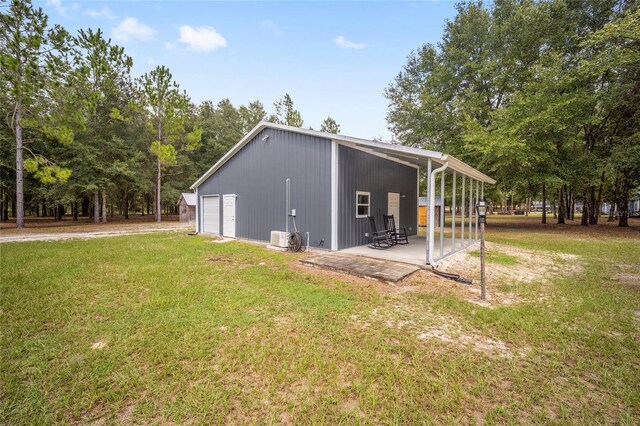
column 429, row 214
column 477, row 199
column 432, row 207
column 464, row 179
column 454, row 195
column 470, row 209
column 442, row 179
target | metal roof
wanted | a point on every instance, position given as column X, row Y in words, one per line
column 424, row 201
column 416, row 156
column 189, row 197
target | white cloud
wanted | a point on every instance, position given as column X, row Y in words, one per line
column 271, row 26
column 57, row 5
column 346, row 44
column 105, row 12
column 201, row 39
column 130, row 29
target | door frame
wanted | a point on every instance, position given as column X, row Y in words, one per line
column 224, row 230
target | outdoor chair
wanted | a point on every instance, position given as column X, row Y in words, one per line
column 379, row 239
column 398, row 235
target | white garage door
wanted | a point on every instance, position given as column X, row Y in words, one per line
column 211, row 214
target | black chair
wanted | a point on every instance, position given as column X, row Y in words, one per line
column 379, row 239
column 398, row 235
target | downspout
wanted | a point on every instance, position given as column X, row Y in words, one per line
column 432, row 201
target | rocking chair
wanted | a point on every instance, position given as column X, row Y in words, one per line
column 379, row 239
column 398, row 235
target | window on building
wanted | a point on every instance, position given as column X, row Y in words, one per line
column 362, row 204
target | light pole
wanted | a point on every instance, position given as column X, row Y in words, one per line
column 482, row 216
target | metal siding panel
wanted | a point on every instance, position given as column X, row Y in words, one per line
column 257, row 173
column 360, row 171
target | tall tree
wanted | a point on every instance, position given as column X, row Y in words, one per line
column 612, row 57
column 286, row 113
column 329, row 125
column 28, row 57
column 508, row 90
column 169, row 110
column 251, row 115
column 222, row 127
column 102, row 83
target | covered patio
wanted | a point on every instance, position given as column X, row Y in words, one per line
column 413, row 253
column 452, row 183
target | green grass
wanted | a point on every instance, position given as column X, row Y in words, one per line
column 253, row 338
column 494, row 256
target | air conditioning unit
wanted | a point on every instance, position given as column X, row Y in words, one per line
column 280, row 239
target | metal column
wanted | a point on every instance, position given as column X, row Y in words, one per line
column 464, row 179
column 470, row 209
column 432, row 202
column 429, row 217
column 454, row 195
column 442, row 179
column 477, row 199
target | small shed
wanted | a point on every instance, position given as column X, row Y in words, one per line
column 187, row 207
column 423, row 203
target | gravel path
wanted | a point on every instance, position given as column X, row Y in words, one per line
column 87, row 235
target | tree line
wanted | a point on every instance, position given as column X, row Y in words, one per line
column 543, row 95
column 80, row 136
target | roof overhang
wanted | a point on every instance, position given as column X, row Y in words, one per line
column 416, row 156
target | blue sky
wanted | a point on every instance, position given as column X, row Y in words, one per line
column 333, row 58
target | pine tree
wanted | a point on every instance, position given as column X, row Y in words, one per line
column 28, row 57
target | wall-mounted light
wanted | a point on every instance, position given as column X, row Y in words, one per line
column 265, row 137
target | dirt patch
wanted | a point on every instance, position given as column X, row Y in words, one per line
column 532, row 265
column 424, row 324
column 335, row 279
column 125, row 416
column 352, row 407
column 629, row 280
column 99, row 345
column 452, row 333
column 503, row 280
column 220, row 259
column 238, row 261
column 85, row 235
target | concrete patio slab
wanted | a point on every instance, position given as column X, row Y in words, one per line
column 384, row 270
column 414, row 253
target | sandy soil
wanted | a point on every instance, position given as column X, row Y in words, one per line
column 531, row 266
column 113, row 232
column 48, row 225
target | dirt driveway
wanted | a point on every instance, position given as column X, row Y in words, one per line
column 113, row 232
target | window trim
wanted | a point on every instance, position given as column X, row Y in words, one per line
column 368, row 204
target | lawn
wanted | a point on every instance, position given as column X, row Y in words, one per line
column 170, row 328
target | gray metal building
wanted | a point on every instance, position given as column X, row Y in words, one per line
column 333, row 182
